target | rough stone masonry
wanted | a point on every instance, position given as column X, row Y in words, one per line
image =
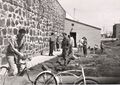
column 37, row 17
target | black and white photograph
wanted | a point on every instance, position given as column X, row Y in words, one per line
column 59, row 42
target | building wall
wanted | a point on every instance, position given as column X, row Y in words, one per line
column 38, row 17
column 92, row 34
column 116, row 31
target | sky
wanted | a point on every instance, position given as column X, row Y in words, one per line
column 100, row 13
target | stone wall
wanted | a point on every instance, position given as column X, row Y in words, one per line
column 38, row 17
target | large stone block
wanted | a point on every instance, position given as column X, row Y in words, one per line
column 23, row 13
column 5, row 7
column 31, row 32
column 8, row 23
column 0, row 51
column 0, row 5
column 14, row 16
column 21, row 18
column 2, row 22
column 15, row 2
column 28, row 8
column 4, row 31
column 10, row 15
column 18, row 17
column 12, row 23
column 27, row 30
column 20, row 12
column 27, row 47
column 10, row 31
column 11, row 9
column 15, row 31
column 3, row 0
column 16, row 11
column 32, row 39
column 1, row 40
column 30, row 47
column 6, row 41
column 25, row 5
column 0, row 33
column 16, row 22
column 38, row 33
column 21, row 22
column 27, row 23
column 3, row 50
column 9, row 1
column 29, row 2
column 38, row 26
column 28, row 39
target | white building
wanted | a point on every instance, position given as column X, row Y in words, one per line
column 79, row 30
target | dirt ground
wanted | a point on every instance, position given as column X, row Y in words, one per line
column 98, row 65
column 106, row 64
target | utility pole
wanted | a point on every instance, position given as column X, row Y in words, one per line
column 103, row 29
column 74, row 13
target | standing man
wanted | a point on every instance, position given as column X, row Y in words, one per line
column 80, row 46
column 101, row 47
column 85, row 46
column 65, row 47
column 71, row 41
column 57, row 43
column 51, row 44
column 14, row 54
column 71, row 51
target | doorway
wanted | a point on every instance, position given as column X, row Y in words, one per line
column 73, row 34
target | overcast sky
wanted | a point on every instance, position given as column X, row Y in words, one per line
column 99, row 13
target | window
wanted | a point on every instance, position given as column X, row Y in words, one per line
column 72, row 24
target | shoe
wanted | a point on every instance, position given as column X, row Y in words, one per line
column 49, row 54
column 11, row 74
column 52, row 55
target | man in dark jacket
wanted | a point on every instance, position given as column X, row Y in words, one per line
column 85, row 46
column 65, row 47
column 51, row 44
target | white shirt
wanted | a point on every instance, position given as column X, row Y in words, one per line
column 72, row 41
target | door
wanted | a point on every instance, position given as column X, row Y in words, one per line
column 73, row 34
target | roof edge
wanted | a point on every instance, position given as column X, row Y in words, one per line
column 83, row 23
column 61, row 6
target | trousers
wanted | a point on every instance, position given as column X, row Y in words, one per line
column 51, row 48
column 12, row 65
